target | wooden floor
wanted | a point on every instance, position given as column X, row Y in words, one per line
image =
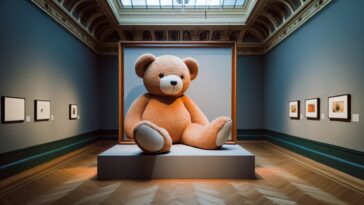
column 281, row 180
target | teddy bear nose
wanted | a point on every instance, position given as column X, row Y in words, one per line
column 173, row 82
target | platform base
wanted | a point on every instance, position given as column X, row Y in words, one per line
column 128, row 162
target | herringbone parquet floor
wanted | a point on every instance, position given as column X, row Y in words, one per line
column 281, row 180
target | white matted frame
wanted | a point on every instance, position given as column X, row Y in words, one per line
column 294, row 109
column 231, row 46
column 312, row 108
column 339, row 107
column 12, row 109
column 73, row 111
column 42, row 110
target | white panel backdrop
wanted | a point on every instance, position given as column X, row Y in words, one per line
column 211, row 90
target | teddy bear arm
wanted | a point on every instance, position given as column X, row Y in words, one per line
column 134, row 114
column 197, row 116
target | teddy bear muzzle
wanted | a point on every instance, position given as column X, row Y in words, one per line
column 171, row 84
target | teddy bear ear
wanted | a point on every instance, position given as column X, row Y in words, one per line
column 142, row 63
column 192, row 65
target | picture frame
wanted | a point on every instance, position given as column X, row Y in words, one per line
column 42, row 110
column 312, row 108
column 339, row 107
column 12, row 109
column 294, row 109
column 124, row 91
column 73, row 111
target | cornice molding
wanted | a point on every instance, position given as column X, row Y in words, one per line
column 271, row 21
column 105, row 7
column 64, row 19
column 294, row 22
column 256, row 11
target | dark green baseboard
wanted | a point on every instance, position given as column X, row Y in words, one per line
column 251, row 134
column 16, row 161
column 343, row 159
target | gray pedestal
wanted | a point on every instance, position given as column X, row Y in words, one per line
column 128, row 162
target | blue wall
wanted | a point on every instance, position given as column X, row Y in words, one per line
column 41, row 60
column 324, row 58
column 249, row 92
column 109, row 93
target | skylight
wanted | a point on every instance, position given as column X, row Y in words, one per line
column 179, row 4
column 181, row 12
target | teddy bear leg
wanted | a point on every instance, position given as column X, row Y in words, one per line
column 151, row 138
column 211, row 136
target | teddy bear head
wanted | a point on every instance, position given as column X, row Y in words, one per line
column 166, row 75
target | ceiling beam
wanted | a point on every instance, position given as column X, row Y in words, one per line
column 259, row 6
column 105, row 7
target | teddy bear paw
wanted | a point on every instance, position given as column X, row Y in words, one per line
column 224, row 133
column 149, row 139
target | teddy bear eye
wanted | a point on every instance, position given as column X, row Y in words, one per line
column 182, row 77
column 161, row 75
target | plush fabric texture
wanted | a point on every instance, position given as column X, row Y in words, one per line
column 149, row 138
column 165, row 113
column 223, row 134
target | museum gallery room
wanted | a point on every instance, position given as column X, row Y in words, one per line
column 181, row 102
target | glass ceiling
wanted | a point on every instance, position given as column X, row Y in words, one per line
column 181, row 12
column 181, row 4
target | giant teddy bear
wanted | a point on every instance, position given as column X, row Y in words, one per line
column 165, row 115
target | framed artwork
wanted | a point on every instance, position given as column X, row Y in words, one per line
column 339, row 107
column 294, row 109
column 12, row 109
column 73, row 109
column 312, row 108
column 42, row 110
column 221, row 69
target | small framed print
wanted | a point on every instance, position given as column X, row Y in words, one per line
column 339, row 107
column 12, row 109
column 294, row 109
column 42, row 110
column 312, row 108
column 73, row 109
